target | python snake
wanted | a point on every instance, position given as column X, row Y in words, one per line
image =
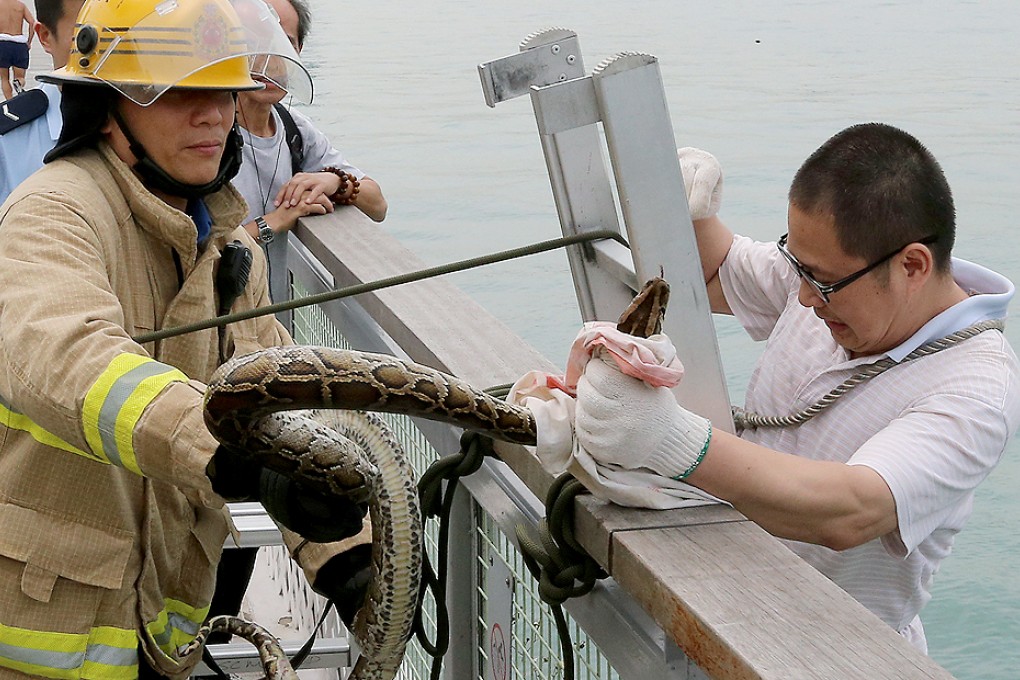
column 253, row 404
column 274, row 660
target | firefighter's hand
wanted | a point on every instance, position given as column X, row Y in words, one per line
column 319, row 517
column 233, row 476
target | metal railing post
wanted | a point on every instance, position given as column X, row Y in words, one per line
column 462, row 596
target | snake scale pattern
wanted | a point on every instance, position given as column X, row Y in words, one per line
column 262, row 404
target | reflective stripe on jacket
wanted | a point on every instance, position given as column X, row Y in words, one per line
column 117, row 400
column 102, row 652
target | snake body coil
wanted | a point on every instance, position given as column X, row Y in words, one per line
column 250, row 406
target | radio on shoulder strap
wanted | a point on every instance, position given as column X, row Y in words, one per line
column 232, row 275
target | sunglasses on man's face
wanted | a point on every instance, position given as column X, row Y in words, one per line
column 824, row 290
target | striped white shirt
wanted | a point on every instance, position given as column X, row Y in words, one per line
column 933, row 428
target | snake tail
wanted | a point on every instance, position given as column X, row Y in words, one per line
column 274, row 661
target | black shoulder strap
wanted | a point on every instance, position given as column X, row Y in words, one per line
column 24, row 108
column 293, row 137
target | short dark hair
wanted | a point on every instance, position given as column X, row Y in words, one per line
column 884, row 190
column 50, row 12
column 304, row 20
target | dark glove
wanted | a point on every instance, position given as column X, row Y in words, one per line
column 344, row 579
column 234, row 477
column 321, row 518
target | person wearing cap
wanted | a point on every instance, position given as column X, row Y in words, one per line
column 112, row 489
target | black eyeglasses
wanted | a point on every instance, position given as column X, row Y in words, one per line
column 824, row 290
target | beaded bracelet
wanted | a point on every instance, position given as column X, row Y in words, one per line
column 345, row 178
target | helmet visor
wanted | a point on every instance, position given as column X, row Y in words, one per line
column 191, row 44
column 273, row 59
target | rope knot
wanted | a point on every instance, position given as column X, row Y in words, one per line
column 559, row 563
column 474, row 448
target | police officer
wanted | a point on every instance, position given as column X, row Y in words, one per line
column 112, row 489
column 30, row 124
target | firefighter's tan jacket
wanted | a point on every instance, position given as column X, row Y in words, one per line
column 109, row 531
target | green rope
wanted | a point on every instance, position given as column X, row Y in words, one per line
column 500, row 391
column 556, row 560
column 461, row 265
column 436, row 490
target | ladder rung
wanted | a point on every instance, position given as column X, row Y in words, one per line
column 254, row 526
column 240, row 656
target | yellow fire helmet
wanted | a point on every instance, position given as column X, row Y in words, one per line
column 142, row 48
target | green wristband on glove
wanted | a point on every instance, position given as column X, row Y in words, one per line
column 697, row 461
column 626, row 424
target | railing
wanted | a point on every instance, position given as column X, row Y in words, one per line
column 693, row 593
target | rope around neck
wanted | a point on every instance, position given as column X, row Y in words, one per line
column 744, row 420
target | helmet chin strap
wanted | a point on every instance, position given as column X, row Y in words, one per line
column 159, row 179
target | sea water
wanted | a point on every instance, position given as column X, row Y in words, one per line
column 760, row 85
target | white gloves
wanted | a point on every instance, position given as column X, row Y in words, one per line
column 702, row 181
column 625, row 423
column 611, row 412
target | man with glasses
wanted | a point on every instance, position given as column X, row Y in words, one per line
column 873, row 489
column 824, row 290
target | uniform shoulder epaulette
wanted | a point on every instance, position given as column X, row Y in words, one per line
column 22, row 109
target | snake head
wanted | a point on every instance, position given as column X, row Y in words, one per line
column 643, row 317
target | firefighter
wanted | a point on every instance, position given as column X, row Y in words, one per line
column 112, row 490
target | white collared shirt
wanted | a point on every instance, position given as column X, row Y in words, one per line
column 933, row 428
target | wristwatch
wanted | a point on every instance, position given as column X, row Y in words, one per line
column 266, row 234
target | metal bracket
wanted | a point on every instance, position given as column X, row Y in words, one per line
column 546, row 57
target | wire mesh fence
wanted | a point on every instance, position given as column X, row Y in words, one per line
column 535, row 647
